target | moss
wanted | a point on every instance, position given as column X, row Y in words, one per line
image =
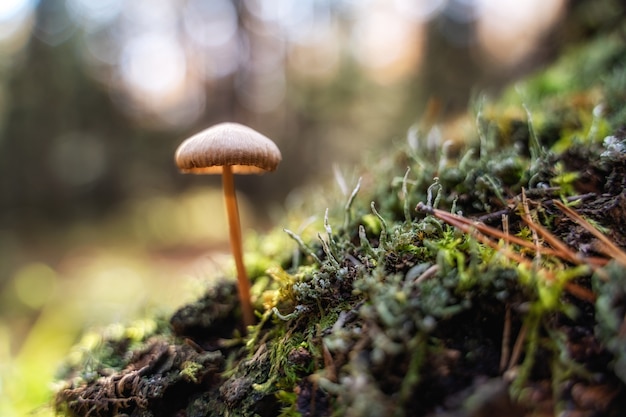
column 378, row 308
column 611, row 308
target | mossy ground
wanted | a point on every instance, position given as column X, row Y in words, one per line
column 381, row 309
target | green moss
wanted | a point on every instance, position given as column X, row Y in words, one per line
column 611, row 308
column 376, row 308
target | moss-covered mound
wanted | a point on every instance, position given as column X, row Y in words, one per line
column 476, row 269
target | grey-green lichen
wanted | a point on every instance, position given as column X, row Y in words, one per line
column 376, row 308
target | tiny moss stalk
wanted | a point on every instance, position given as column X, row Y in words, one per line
column 234, row 226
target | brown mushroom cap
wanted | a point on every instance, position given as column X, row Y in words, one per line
column 244, row 149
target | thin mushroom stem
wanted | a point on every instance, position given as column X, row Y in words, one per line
column 234, row 226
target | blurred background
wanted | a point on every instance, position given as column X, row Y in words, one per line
column 96, row 224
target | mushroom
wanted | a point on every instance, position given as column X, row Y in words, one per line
column 230, row 148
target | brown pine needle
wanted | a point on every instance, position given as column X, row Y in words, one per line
column 610, row 249
column 517, row 348
column 473, row 228
column 469, row 226
column 580, row 292
column 506, row 337
column 562, row 251
column 528, row 219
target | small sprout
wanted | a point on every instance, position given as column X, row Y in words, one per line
column 303, row 247
column 466, row 160
column 405, row 196
column 328, row 251
column 348, row 206
column 331, row 240
column 227, row 149
column 596, row 122
column 364, row 242
column 453, row 209
column 429, row 196
column 488, row 183
column 383, row 226
column 293, row 315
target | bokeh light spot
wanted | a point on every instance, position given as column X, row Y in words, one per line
column 509, row 30
column 35, row 284
column 15, row 23
column 154, row 64
column 151, row 15
column 94, row 13
column 386, row 42
column 210, row 24
column 10, row 9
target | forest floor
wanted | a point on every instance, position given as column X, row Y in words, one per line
column 475, row 269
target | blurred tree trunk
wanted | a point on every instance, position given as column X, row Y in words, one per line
column 49, row 96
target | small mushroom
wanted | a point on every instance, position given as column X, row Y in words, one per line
column 227, row 149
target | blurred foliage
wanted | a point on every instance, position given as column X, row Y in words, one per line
column 82, row 131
